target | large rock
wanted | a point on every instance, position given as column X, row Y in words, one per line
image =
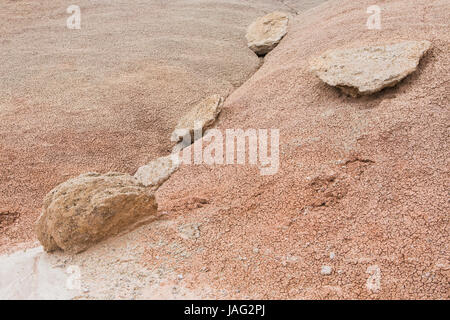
column 157, row 171
column 201, row 116
column 366, row 70
column 82, row 211
column 266, row 32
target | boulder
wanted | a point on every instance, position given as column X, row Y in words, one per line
column 265, row 33
column 85, row 210
column 157, row 171
column 201, row 116
column 369, row 69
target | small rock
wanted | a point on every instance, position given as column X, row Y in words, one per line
column 332, row 255
column 85, row 210
column 157, row 171
column 369, row 69
column 202, row 116
column 326, row 270
column 204, row 269
column 265, row 33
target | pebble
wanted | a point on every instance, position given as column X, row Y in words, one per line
column 326, row 270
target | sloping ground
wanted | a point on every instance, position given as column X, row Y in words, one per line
column 362, row 186
column 363, row 183
column 106, row 97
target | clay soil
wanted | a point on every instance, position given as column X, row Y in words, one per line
column 362, row 186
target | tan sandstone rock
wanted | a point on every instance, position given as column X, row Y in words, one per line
column 201, row 116
column 82, row 211
column 366, row 70
column 266, row 32
column 157, row 171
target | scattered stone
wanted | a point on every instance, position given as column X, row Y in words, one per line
column 265, row 33
column 326, row 270
column 202, row 116
column 157, row 171
column 366, row 70
column 7, row 218
column 85, row 210
column 204, row 269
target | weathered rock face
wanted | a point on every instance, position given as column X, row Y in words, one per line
column 266, row 32
column 366, row 70
column 157, row 171
column 82, row 211
column 201, row 116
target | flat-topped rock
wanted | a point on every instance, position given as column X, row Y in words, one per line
column 87, row 209
column 201, row 116
column 366, row 70
column 265, row 33
column 157, row 171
